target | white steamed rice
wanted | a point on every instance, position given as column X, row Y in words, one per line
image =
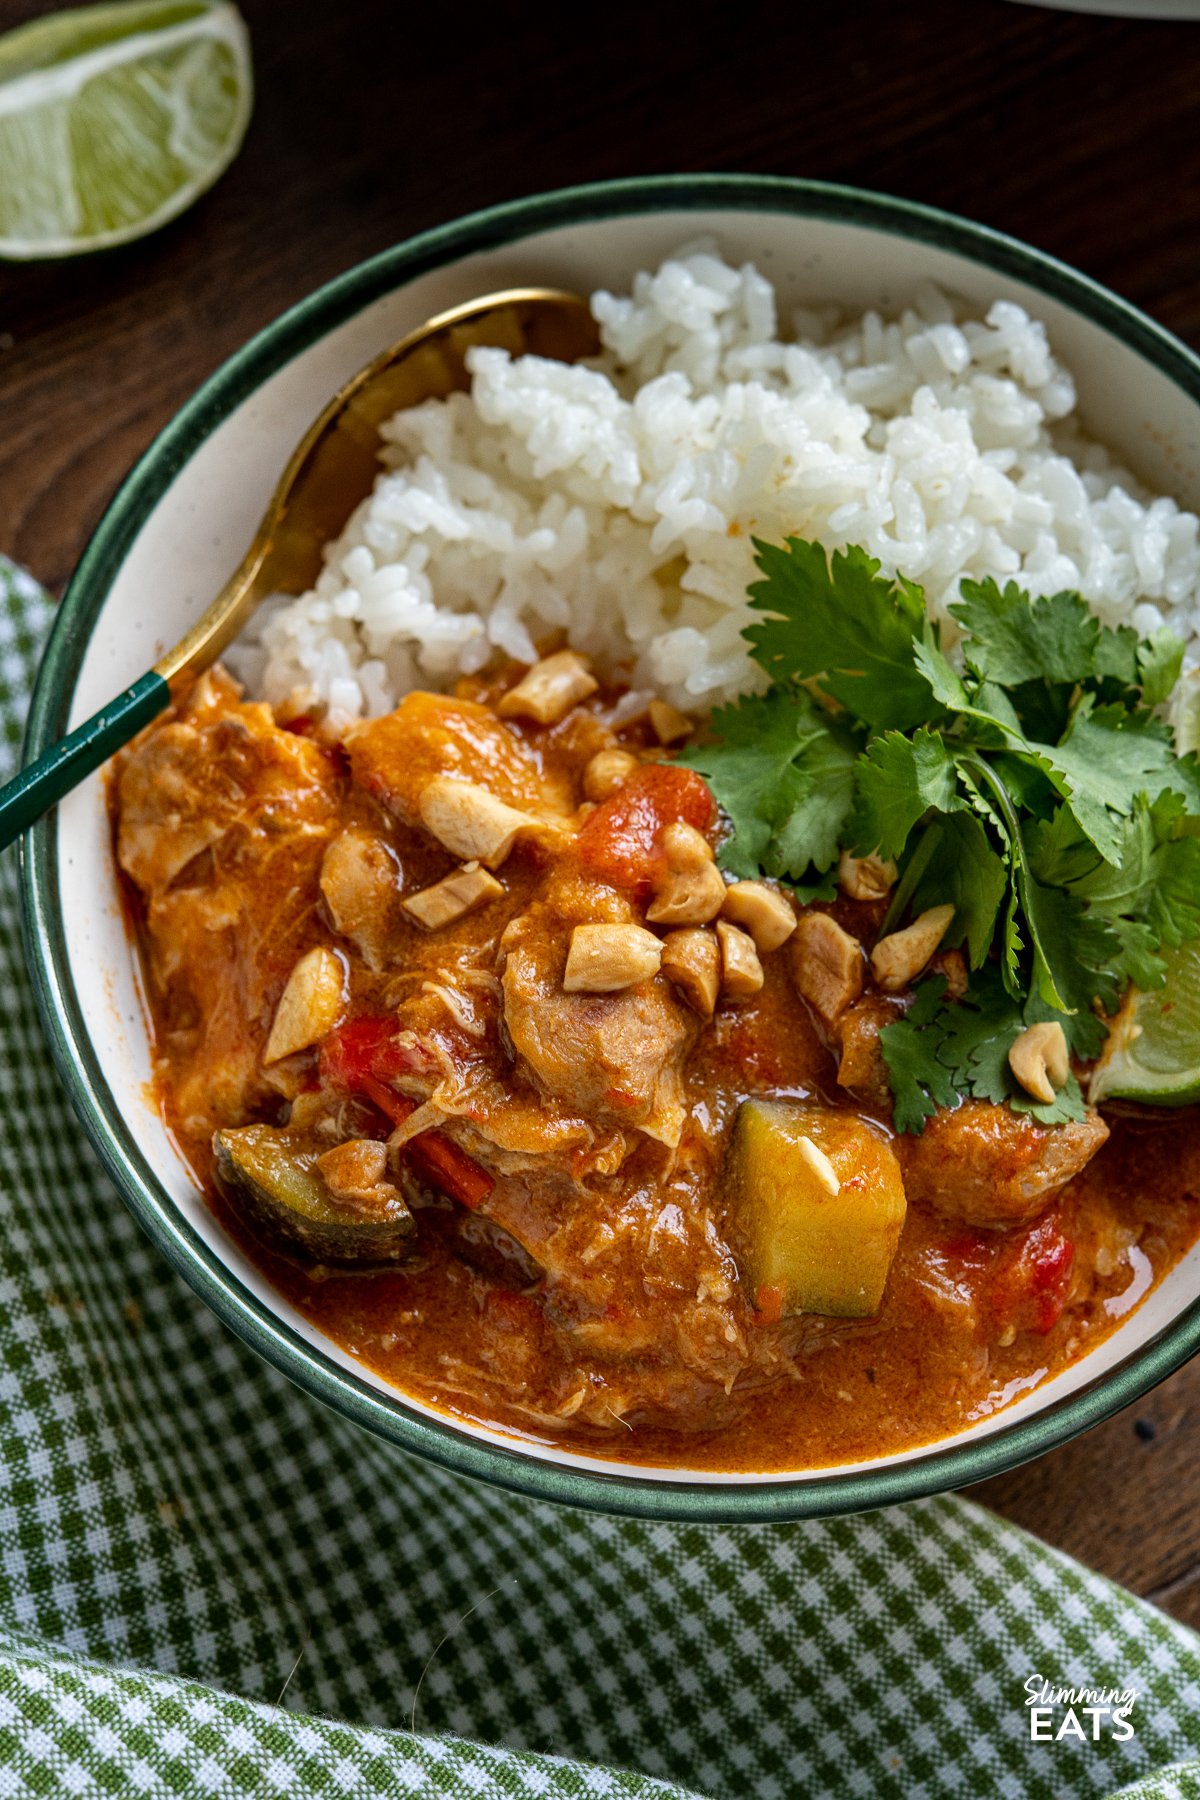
column 615, row 502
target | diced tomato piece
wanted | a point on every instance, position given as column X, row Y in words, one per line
column 367, row 1046
column 621, row 842
column 1032, row 1278
column 360, row 1057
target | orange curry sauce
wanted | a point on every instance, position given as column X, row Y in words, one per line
column 571, row 1276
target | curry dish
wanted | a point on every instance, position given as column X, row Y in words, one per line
column 525, row 1103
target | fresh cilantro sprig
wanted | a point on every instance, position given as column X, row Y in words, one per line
column 1028, row 780
column 938, row 1054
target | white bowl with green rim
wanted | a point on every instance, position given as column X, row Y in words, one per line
column 181, row 522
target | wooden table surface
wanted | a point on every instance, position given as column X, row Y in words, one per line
column 373, row 121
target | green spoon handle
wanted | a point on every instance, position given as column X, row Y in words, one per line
column 65, row 764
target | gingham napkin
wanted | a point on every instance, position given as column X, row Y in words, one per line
column 209, row 1585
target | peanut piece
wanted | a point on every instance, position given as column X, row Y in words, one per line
column 607, row 773
column 762, row 911
column 866, row 877
column 470, row 821
column 898, row 959
column 603, row 959
column 309, row 1006
column 1040, row 1060
column 741, row 971
column 351, row 1170
column 691, row 961
column 819, row 1163
column 689, row 897
column 453, row 897
column 685, row 847
column 668, row 724
column 550, row 689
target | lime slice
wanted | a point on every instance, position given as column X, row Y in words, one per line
column 1153, row 1049
column 114, row 118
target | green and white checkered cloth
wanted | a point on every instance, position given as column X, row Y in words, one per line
column 210, row 1585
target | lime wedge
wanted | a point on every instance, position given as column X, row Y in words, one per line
column 114, row 118
column 1153, row 1049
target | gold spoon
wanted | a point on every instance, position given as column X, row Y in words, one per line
column 332, row 468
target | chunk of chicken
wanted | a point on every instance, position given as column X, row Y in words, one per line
column 433, row 736
column 218, row 808
column 361, row 885
column 827, row 965
column 219, row 767
column 861, row 1068
column 616, row 1057
column 985, row 1165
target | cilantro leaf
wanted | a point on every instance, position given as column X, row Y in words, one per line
column 1160, row 664
column 962, row 1047
column 1173, row 913
column 1108, row 757
column 919, row 1081
column 1024, row 778
column 842, row 621
column 1073, row 952
column 1117, row 655
column 783, row 773
column 944, row 682
column 965, row 869
column 1013, row 639
column 899, row 780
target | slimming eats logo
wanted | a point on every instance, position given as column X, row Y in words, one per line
column 1056, row 1713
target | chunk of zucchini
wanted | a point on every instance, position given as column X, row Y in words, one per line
column 801, row 1246
column 270, row 1175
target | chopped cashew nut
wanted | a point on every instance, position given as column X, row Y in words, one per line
column 470, row 822
column 741, row 971
column 866, row 877
column 691, row 961
column 668, row 724
column 603, row 959
column 688, row 897
column 550, row 689
column 827, row 965
column 762, row 911
column 899, row 958
column 1040, row 1060
column 608, row 771
column 820, row 1165
column 453, row 897
column 309, row 1006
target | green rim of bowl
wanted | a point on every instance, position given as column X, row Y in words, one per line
column 386, row 1415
